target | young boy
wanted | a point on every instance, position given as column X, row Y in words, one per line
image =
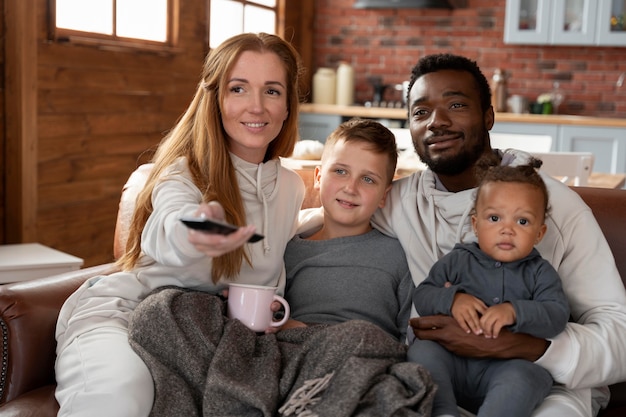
column 345, row 269
column 501, row 280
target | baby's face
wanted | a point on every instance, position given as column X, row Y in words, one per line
column 509, row 219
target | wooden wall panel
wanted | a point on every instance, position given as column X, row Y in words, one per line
column 100, row 112
column 2, row 130
column 20, row 117
column 296, row 19
column 94, row 114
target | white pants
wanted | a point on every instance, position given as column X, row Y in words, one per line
column 99, row 374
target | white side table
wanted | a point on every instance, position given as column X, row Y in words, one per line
column 24, row 261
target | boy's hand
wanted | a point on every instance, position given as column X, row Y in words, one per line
column 275, row 307
column 292, row 324
column 466, row 310
column 496, row 317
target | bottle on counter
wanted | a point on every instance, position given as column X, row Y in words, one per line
column 499, row 91
column 324, row 86
column 558, row 96
column 345, row 84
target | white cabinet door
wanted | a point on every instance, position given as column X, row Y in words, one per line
column 611, row 27
column 608, row 145
column 573, row 22
column 565, row 22
column 529, row 131
column 527, row 22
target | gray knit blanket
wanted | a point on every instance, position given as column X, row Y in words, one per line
column 204, row 364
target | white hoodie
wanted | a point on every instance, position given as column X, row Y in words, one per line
column 272, row 197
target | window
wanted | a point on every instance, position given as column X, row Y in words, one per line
column 143, row 21
column 231, row 17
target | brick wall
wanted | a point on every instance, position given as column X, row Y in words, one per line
column 387, row 43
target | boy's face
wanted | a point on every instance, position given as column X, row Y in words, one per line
column 353, row 184
column 509, row 220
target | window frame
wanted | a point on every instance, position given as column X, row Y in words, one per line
column 113, row 41
column 276, row 9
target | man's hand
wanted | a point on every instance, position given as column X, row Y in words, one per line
column 447, row 332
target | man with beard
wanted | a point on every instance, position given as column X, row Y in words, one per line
column 450, row 115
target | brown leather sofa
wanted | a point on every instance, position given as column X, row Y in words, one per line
column 28, row 310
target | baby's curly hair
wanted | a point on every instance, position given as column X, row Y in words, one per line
column 487, row 172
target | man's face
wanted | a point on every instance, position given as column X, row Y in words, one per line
column 447, row 124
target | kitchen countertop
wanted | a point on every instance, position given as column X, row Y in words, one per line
column 596, row 179
column 401, row 114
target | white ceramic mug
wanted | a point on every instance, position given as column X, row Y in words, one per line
column 250, row 304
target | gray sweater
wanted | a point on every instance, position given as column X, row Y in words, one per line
column 362, row 277
column 530, row 284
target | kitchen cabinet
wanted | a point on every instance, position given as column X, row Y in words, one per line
column 529, row 129
column 612, row 23
column 608, row 145
column 318, row 123
column 565, row 22
column 526, row 22
column 314, row 126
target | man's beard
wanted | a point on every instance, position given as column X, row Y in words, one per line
column 458, row 163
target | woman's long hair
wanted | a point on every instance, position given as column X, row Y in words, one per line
column 200, row 137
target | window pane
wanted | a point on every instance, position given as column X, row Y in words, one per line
column 618, row 21
column 574, row 16
column 226, row 21
column 142, row 19
column 257, row 20
column 269, row 3
column 88, row 16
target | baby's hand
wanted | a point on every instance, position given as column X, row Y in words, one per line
column 466, row 310
column 496, row 317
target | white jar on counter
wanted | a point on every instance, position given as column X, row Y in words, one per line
column 345, row 84
column 324, row 86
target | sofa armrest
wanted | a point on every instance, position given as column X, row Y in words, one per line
column 39, row 402
column 28, row 315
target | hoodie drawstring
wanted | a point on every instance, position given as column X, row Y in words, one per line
column 261, row 196
column 459, row 231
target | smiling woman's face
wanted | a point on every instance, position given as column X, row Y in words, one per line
column 255, row 104
column 447, row 124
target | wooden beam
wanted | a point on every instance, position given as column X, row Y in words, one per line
column 295, row 24
column 21, row 121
